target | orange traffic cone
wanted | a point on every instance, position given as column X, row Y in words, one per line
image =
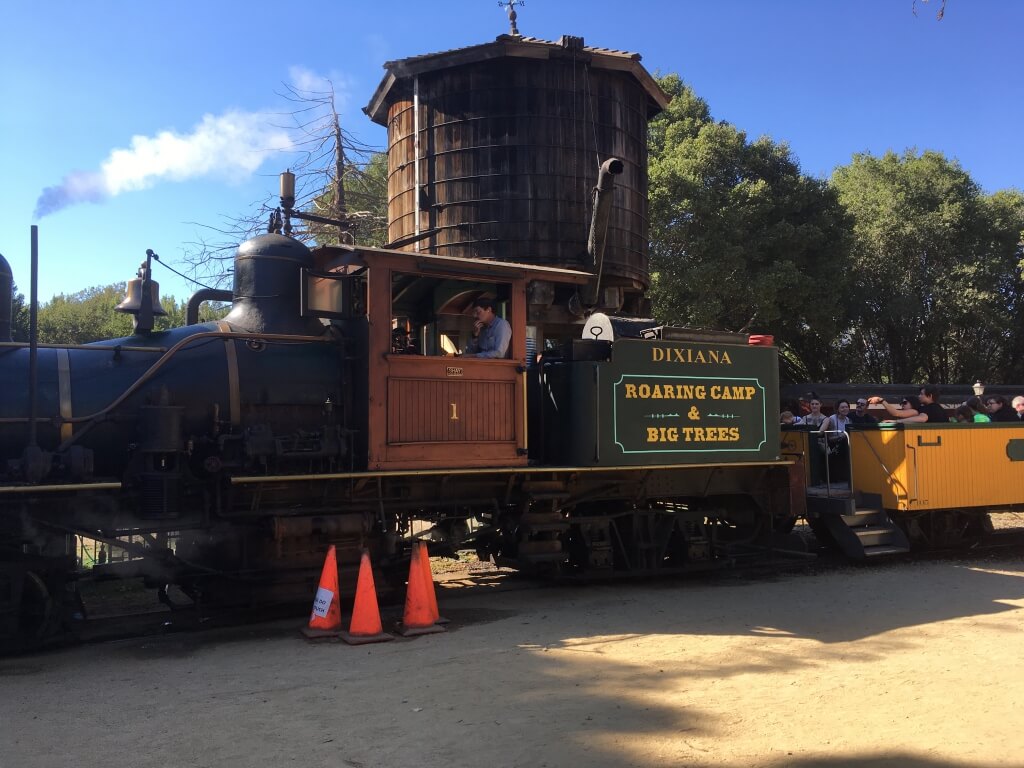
column 365, row 626
column 419, row 616
column 428, row 579
column 325, row 620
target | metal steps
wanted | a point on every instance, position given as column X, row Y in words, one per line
column 857, row 524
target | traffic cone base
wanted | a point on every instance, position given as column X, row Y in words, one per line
column 407, row 631
column 320, row 634
column 351, row 639
column 420, row 614
column 365, row 626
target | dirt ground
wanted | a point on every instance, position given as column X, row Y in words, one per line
column 913, row 664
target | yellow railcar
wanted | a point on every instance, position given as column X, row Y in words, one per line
column 879, row 489
column 936, row 467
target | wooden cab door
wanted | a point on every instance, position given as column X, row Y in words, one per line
column 433, row 411
column 453, row 412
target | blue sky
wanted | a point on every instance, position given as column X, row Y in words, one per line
column 170, row 108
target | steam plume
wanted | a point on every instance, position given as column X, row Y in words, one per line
column 232, row 145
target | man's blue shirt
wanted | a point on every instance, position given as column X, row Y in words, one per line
column 493, row 340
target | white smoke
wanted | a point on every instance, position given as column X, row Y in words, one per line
column 230, row 146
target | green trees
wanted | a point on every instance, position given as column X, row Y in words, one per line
column 742, row 240
column 19, row 315
column 936, row 269
column 366, row 200
column 84, row 316
column 322, row 154
column 89, row 315
column 899, row 268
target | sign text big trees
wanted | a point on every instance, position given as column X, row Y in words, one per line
column 675, row 401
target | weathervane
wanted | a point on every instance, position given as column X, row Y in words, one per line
column 511, row 6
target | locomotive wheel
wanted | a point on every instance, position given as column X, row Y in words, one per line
column 946, row 529
column 741, row 520
column 37, row 612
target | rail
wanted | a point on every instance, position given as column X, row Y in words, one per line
column 839, row 435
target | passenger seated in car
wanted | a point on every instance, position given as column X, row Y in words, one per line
column 924, row 408
column 861, row 415
column 967, row 415
column 1018, row 406
column 980, row 417
column 998, row 410
column 815, row 417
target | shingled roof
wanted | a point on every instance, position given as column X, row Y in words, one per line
column 515, row 46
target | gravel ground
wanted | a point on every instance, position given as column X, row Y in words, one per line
column 915, row 665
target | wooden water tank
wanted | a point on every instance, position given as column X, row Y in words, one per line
column 502, row 153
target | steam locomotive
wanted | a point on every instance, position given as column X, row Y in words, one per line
column 234, row 452
column 227, row 456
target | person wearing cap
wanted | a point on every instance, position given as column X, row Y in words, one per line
column 923, row 408
column 860, row 413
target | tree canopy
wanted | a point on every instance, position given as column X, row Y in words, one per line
column 937, row 269
column 19, row 315
column 366, row 199
column 89, row 315
column 740, row 238
column 326, row 154
column 897, row 269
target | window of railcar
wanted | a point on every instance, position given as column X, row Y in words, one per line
column 438, row 310
column 336, row 295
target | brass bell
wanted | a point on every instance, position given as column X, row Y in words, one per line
column 134, row 297
column 137, row 303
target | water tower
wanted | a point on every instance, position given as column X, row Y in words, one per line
column 496, row 149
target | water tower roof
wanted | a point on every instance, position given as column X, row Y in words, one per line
column 514, row 46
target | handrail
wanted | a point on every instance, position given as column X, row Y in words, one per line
column 917, row 489
column 849, row 458
column 82, row 347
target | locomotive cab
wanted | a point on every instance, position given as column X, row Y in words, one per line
column 428, row 406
